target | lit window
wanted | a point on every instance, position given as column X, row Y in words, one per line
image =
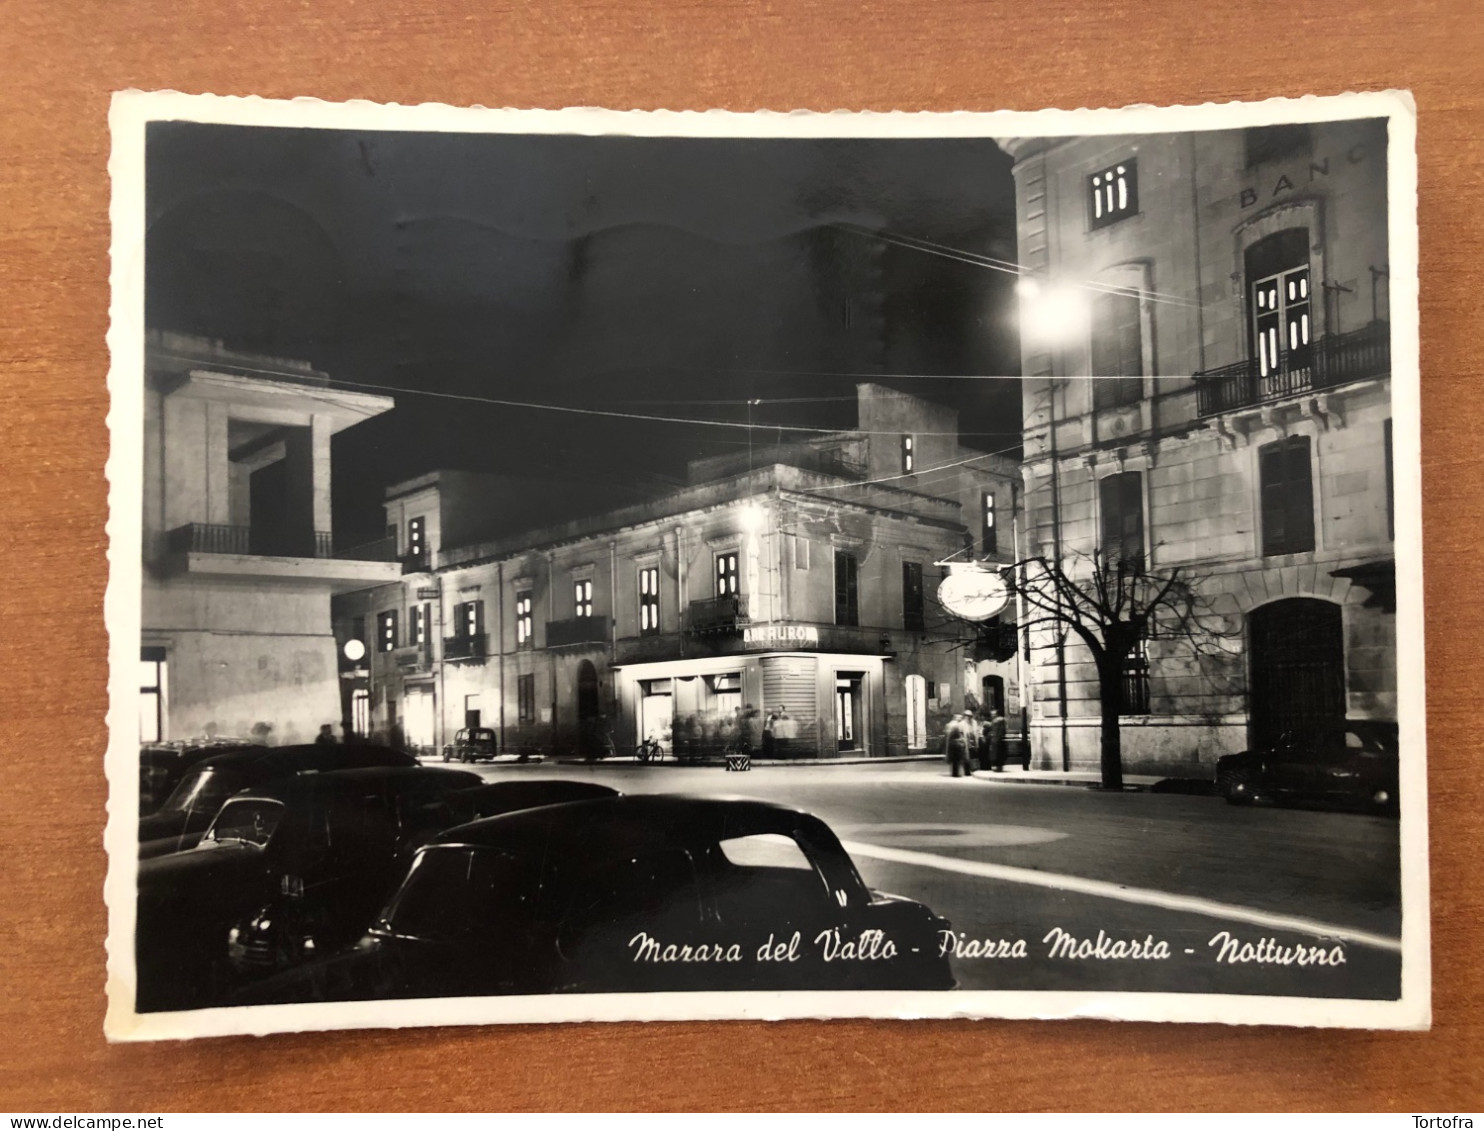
column 468, row 619
column 582, row 597
column 417, row 546
column 386, row 630
column 523, row 620
column 989, row 535
column 909, row 455
column 418, row 627
column 726, row 574
column 649, row 600
column 1114, row 192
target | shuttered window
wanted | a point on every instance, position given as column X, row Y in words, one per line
column 1287, row 497
column 912, row 609
column 847, row 589
column 1117, row 350
column 1122, row 499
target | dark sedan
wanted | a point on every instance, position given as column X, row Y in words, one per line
column 180, row 821
column 284, row 870
column 161, row 766
column 644, row 893
column 1356, row 767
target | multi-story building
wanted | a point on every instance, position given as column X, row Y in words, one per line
column 1207, row 386
column 798, row 579
column 239, row 565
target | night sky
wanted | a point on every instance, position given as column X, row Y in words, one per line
column 659, row 276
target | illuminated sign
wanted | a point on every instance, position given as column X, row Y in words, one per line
column 973, row 592
column 780, row 636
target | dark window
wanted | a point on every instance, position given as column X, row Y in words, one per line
column 582, row 597
column 523, row 619
column 1272, row 143
column 912, row 608
column 1390, row 489
column 847, row 589
column 151, row 694
column 386, row 630
column 1287, row 496
column 1134, row 693
column 417, row 545
column 525, row 698
column 909, row 455
column 649, row 600
column 1113, row 193
column 1122, row 499
column 726, row 574
column 468, row 618
column 989, row 537
column 1117, row 350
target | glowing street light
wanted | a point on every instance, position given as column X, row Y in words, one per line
column 1051, row 315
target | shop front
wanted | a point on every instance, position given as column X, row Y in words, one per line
column 785, row 704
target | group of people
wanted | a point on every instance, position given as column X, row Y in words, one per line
column 975, row 740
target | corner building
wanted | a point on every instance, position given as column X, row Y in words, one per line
column 1206, row 353
column 798, row 579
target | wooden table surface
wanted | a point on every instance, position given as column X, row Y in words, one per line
column 58, row 64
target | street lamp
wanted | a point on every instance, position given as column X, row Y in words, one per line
column 1050, row 315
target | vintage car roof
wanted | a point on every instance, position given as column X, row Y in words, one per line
column 308, row 754
column 634, row 822
column 301, row 786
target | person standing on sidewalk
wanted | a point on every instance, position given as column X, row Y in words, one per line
column 956, row 738
column 996, row 729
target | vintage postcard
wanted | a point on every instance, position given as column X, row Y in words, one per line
column 579, row 565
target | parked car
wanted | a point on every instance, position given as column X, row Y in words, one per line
column 1354, row 767
column 631, row 893
column 162, row 765
column 496, row 798
column 473, row 744
column 185, row 814
column 284, row 870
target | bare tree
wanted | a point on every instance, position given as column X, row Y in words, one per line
column 1113, row 604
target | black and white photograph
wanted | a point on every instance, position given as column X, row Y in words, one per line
column 580, row 565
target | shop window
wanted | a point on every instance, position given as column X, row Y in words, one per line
column 726, row 574
column 847, row 589
column 151, row 694
column 1117, row 350
column 912, row 604
column 525, row 698
column 649, row 600
column 1113, row 193
column 1122, row 500
column 1287, row 497
column 386, row 630
column 524, row 624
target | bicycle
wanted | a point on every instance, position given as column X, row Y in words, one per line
column 650, row 750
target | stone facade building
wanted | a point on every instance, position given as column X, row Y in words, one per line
column 798, row 579
column 1207, row 386
column 238, row 559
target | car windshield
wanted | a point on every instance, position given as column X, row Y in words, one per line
column 205, row 788
column 456, row 893
column 249, row 820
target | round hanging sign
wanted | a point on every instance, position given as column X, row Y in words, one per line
column 974, row 593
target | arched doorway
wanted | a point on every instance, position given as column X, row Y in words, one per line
column 589, row 710
column 1297, row 662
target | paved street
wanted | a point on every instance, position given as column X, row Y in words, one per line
column 1015, row 861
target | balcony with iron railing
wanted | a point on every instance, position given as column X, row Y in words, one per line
column 218, row 538
column 212, row 549
column 576, row 630
column 1331, row 361
column 469, row 647
column 726, row 614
